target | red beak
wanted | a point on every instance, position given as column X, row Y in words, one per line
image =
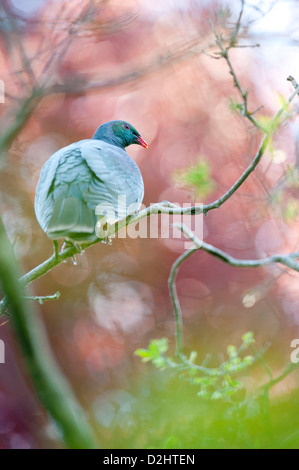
column 142, row 142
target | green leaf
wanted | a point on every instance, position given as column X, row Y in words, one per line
column 206, row 381
column 158, row 347
column 230, row 383
column 270, row 125
column 291, row 210
column 203, row 394
column 231, row 351
column 235, row 361
column 160, row 362
column 235, row 106
column 142, row 353
column 248, row 360
column 192, row 357
column 248, row 338
column 196, row 177
column 216, row 395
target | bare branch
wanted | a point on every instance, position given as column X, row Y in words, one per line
column 286, row 260
column 43, row 298
column 20, row 119
column 174, row 297
column 19, row 44
column 290, row 368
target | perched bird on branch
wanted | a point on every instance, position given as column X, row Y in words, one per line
column 90, row 183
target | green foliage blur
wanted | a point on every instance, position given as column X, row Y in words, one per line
column 196, row 177
column 161, row 411
column 215, row 383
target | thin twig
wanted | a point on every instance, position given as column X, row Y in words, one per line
column 21, row 117
column 19, row 43
column 43, row 298
column 288, row 370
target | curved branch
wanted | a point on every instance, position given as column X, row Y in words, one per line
column 287, row 260
column 174, row 297
column 288, row 370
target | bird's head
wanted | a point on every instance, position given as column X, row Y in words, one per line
column 119, row 133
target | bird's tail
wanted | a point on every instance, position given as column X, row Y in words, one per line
column 72, row 219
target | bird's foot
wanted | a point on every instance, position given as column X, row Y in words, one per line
column 70, row 244
column 107, row 240
column 102, row 230
column 77, row 246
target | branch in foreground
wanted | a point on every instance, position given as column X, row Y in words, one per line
column 51, row 386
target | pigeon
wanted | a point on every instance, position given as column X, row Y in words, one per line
column 89, row 184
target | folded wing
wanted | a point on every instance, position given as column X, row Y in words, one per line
column 84, row 181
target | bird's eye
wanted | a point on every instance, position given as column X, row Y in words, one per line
column 126, row 126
